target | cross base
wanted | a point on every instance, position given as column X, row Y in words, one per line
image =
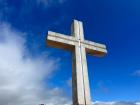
column 82, row 104
column 75, row 103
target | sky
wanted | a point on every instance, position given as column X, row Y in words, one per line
column 32, row 73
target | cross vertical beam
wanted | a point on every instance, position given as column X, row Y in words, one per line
column 77, row 72
column 81, row 90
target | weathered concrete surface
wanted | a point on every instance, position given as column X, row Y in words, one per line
column 77, row 78
column 79, row 47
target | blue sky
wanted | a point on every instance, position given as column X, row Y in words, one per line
column 115, row 77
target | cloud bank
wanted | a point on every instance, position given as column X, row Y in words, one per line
column 116, row 103
column 22, row 76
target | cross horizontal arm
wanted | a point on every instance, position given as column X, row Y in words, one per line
column 60, row 41
column 94, row 48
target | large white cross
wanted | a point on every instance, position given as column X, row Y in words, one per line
column 79, row 47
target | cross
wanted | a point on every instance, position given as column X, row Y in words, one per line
column 79, row 47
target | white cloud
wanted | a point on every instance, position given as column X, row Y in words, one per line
column 22, row 76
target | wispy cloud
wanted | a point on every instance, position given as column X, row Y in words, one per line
column 101, row 86
column 26, row 14
column 136, row 73
column 69, row 82
column 22, row 76
column 49, row 3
